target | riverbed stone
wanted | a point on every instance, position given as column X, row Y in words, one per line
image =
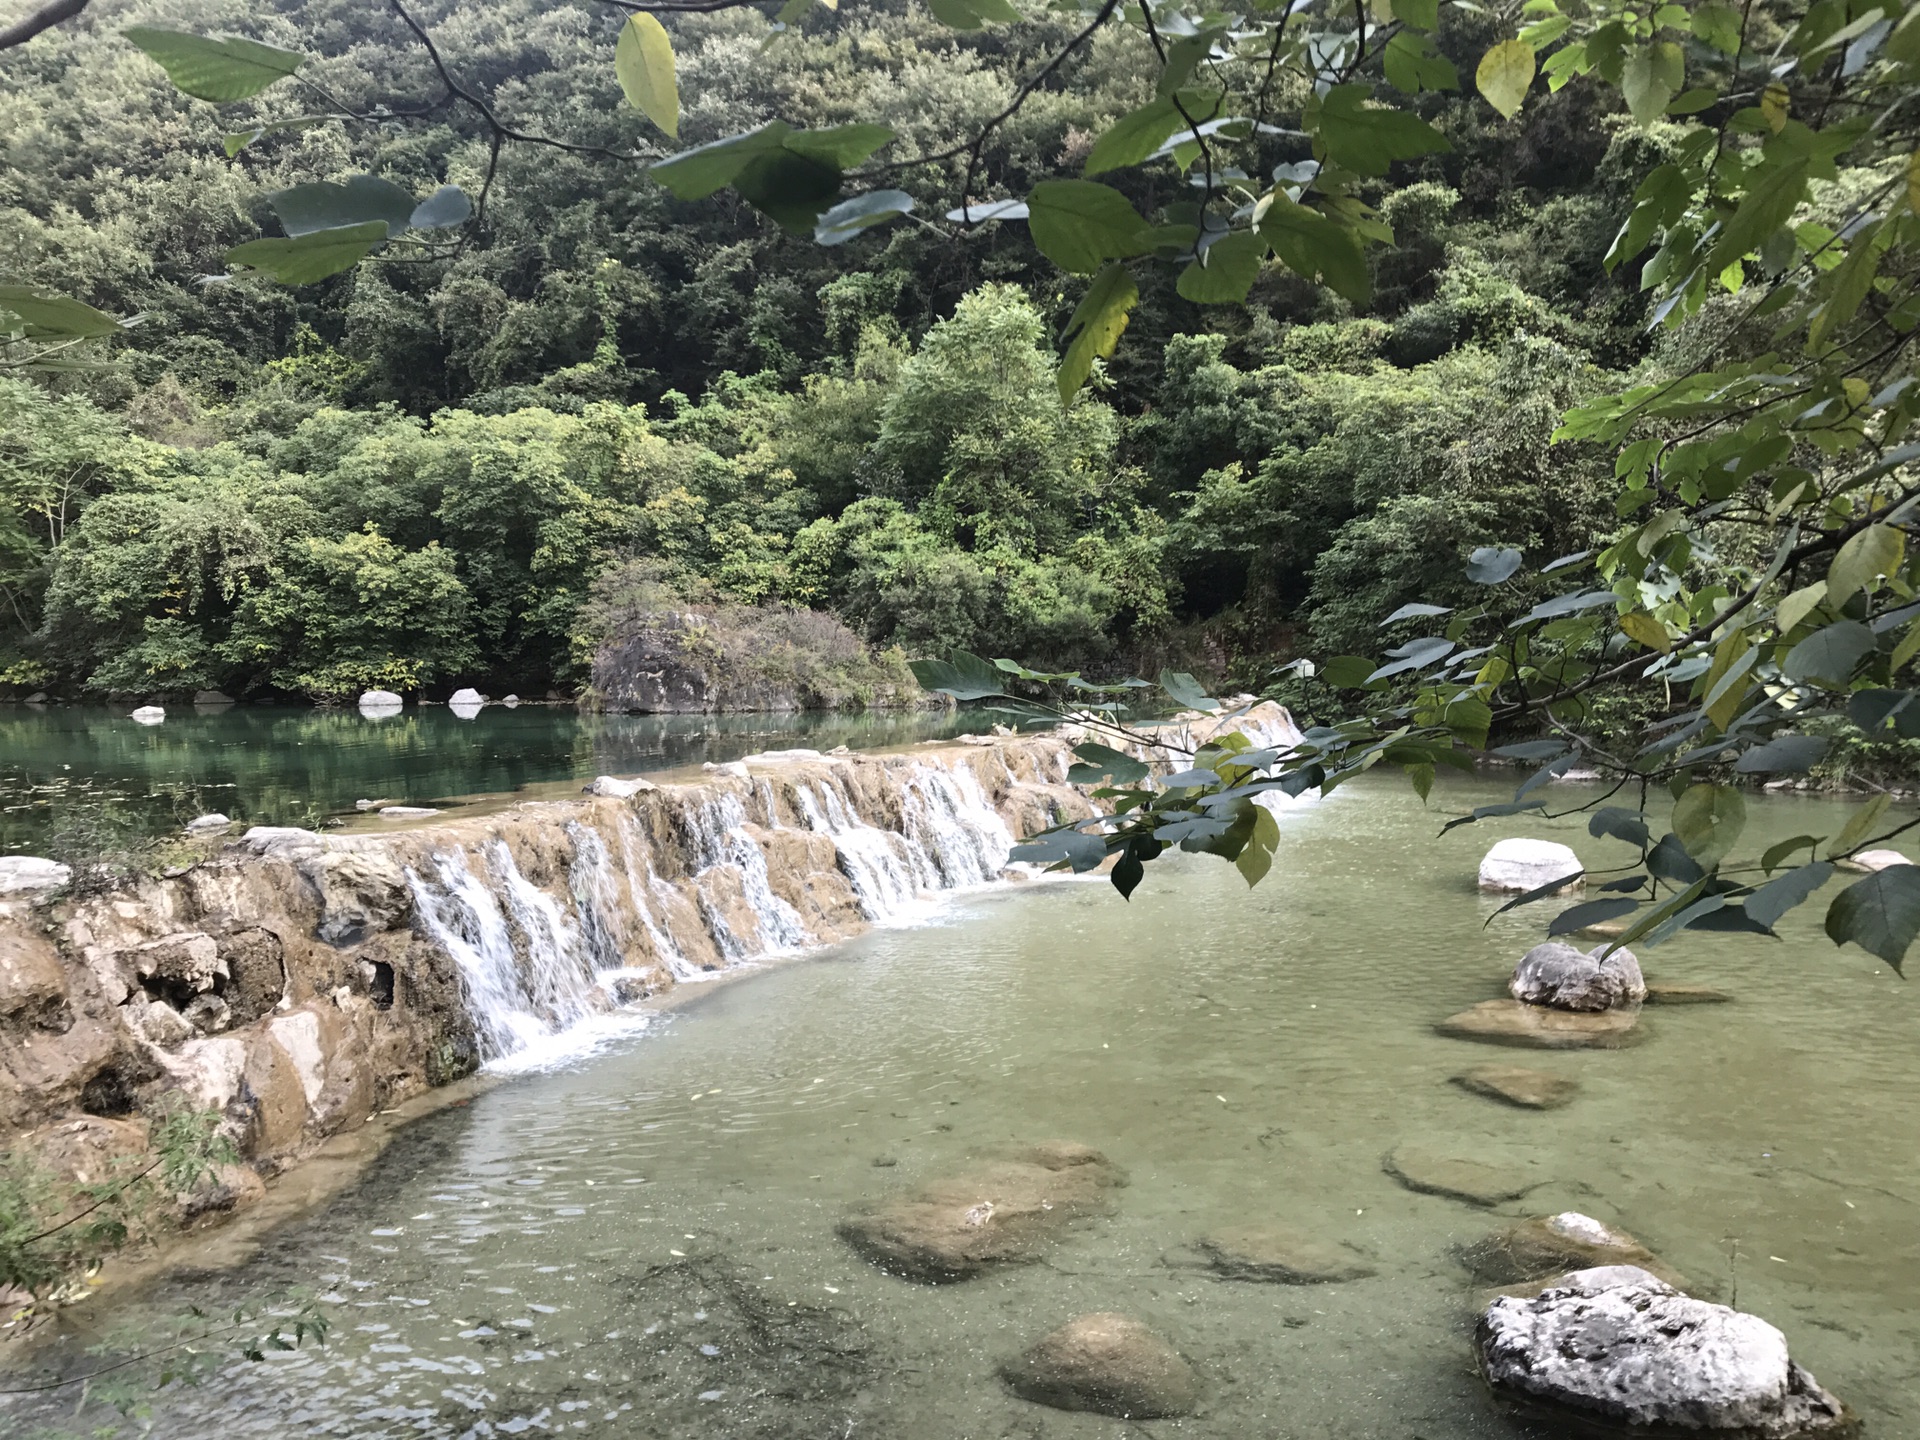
column 1686, row 995
column 406, row 812
column 1617, row 1345
column 1002, row 1211
column 211, row 697
column 1457, row 1177
column 1516, row 866
column 1547, row 1246
column 1539, row 1027
column 1108, row 1364
column 149, row 714
column 1280, row 1255
column 1874, row 860
column 466, row 695
column 25, row 876
column 1566, row 978
column 1518, row 1085
column 212, row 823
column 380, row 700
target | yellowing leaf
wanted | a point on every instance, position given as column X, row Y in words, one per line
column 1506, row 71
column 1648, row 631
column 1908, row 647
column 1096, row 326
column 1856, row 391
column 643, row 61
column 1877, row 550
column 1725, row 688
column 1773, row 106
column 1859, row 825
column 1913, row 176
column 1796, row 607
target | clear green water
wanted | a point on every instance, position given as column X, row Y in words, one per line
column 511, row 1268
column 293, row 765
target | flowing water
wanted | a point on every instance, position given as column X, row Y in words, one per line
column 641, row 1241
column 287, row 765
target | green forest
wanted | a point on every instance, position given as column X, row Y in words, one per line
column 415, row 474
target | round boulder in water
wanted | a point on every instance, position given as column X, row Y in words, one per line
column 1619, row 1346
column 614, row 788
column 1558, row 975
column 466, row 696
column 1519, row 1085
column 1552, row 1245
column 379, row 701
column 1517, row 866
column 149, row 715
column 1108, row 1364
column 213, row 824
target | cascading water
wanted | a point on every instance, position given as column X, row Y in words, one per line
column 596, row 898
column 644, row 895
column 557, row 974
column 461, row 915
column 717, row 823
column 886, row 871
column 951, row 821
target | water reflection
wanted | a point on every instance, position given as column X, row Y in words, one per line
column 286, row 765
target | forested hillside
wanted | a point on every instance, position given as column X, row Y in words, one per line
column 416, row 472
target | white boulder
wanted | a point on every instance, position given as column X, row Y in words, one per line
column 1874, row 860
column 211, row 824
column 149, row 715
column 1517, row 866
column 1566, row 978
column 466, row 696
column 378, row 700
column 511, row 701
column 1617, row 1345
column 406, row 812
column 615, row 788
column 30, row 875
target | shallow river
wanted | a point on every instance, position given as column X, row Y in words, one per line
column 295, row 764
column 642, row 1243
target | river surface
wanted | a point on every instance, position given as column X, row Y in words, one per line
column 641, row 1243
column 297, row 765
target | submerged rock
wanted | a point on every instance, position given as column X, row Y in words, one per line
column 1281, row 1256
column 1458, row 1177
column 1517, row 1085
column 1000, row 1212
column 211, row 697
column 1686, row 995
column 1565, row 978
column 1616, row 1344
column 406, row 812
column 1552, row 1245
column 1539, row 1027
column 31, row 875
column 1517, row 866
column 615, row 788
column 1109, row 1364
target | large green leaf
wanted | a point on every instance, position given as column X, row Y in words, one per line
column 1827, row 656
column 965, row 677
column 1505, row 74
column 310, row 257
column 1654, row 74
column 1768, row 206
column 445, row 208
column 1225, row 271
column 1877, row 550
column 1140, row 134
column 643, row 63
column 697, row 173
column 1187, row 692
column 1314, row 247
column 1880, row 914
column 862, row 212
column 47, row 316
column 1779, row 895
column 838, row 145
column 1079, row 224
column 794, row 190
column 1412, row 64
column 972, row 14
column 239, row 140
column 215, row 67
column 1096, row 326
column 324, row 205
column 1367, row 138
column 1102, row 762
column 1708, row 819
column 1859, row 825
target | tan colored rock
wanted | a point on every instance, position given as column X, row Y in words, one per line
column 360, row 892
column 1108, row 1364
column 1686, row 995
column 1458, row 1177
column 33, row 986
column 997, row 1212
column 186, row 960
column 1518, row 1085
column 1551, row 1245
column 272, row 1104
column 1510, row 1022
column 1280, row 1255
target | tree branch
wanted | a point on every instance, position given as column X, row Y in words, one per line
column 45, row 18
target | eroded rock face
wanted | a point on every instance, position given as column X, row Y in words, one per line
column 1109, row 1364
column 360, row 893
column 1618, row 1345
column 1281, row 1255
column 997, row 1212
column 1519, row 1085
column 1517, row 866
column 1553, row 1245
column 24, row 875
column 1540, row 1027
column 179, row 966
column 1564, row 978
